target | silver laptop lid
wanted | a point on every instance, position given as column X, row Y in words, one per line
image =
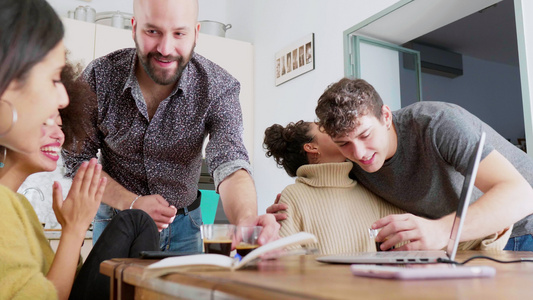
column 464, row 200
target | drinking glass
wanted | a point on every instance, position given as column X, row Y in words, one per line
column 218, row 238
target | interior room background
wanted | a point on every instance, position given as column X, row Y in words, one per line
column 272, row 25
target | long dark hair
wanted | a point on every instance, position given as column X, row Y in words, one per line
column 286, row 145
column 30, row 29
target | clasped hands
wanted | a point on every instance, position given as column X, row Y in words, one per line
column 77, row 211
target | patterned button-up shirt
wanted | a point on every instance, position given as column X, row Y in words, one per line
column 162, row 155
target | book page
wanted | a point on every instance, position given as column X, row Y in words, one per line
column 182, row 263
column 173, row 263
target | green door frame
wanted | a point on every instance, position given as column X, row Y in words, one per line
column 526, row 80
column 355, row 59
column 348, row 71
column 352, row 42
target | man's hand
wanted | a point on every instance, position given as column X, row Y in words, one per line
column 158, row 208
column 274, row 208
column 270, row 230
column 422, row 234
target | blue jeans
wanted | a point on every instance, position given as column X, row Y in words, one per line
column 520, row 243
column 104, row 215
column 182, row 235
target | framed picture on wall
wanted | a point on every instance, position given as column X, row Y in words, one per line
column 296, row 59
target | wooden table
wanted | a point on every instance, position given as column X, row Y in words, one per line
column 302, row 277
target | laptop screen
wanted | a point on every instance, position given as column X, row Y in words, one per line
column 464, row 200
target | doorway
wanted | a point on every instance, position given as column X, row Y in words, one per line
column 486, row 42
column 490, row 84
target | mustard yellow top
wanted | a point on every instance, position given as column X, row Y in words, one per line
column 25, row 253
column 324, row 201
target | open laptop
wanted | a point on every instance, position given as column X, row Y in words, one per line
column 421, row 257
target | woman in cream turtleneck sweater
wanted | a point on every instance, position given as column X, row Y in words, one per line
column 324, row 200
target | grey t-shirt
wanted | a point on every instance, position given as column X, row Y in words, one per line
column 426, row 174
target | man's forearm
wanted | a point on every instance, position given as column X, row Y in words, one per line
column 497, row 209
column 237, row 193
column 507, row 198
column 116, row 195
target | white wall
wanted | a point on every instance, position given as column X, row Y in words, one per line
column 275, row 24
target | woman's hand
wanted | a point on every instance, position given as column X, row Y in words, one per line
column 77, row 211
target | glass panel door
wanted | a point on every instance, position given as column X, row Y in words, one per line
column 394, row 71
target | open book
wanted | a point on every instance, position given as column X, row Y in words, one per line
column 170, row 264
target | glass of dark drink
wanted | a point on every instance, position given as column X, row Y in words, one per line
column 373, row 234
column 247, row 237
column 218, row 238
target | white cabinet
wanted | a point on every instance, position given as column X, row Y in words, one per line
column 87, row 41
column 79, row 40
column 109, row 39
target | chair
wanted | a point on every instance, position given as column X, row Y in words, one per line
column 209, row 206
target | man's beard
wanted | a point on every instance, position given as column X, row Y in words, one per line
column 161, row 76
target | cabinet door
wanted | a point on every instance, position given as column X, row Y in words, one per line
column 79, row 40
column 237, row 58
column 109, row 39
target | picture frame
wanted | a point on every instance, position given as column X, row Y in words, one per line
column 296, row 59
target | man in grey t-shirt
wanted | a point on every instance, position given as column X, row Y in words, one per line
column 416, row 158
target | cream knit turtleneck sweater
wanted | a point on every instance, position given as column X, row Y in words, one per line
column 324, row 201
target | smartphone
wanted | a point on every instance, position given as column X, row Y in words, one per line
column 163, row 254
column 430, row 271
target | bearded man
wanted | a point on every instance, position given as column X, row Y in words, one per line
column 155, row 105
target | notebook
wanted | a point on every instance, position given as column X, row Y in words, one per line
column 421, row 257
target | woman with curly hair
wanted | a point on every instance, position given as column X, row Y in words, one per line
column 324, row 200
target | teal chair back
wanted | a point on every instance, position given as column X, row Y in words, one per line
column 209, row 206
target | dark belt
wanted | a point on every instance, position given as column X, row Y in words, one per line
column 193, row 206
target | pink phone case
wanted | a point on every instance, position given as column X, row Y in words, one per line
column 433, row 271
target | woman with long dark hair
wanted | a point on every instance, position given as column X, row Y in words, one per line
column 32, row 58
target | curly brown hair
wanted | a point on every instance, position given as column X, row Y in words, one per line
column 286, row 145
column 75, row 116
column 343, row 103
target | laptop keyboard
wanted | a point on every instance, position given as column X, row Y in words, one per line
column 413, row 254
